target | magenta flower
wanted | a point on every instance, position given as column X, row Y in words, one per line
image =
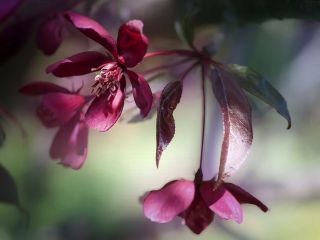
column 62, row 108
column 110, row 83
column 197, row 203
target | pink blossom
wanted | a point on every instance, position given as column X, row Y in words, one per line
column 61, row 108
column 197, row 203
column 110, row 83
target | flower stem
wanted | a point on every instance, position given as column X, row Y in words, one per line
column 166, row 66
column 182, row 52
column 189, row 69
column 203, row 114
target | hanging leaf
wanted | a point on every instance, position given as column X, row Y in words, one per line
column 8, row 188
column 258, row 86
column 169, row 100
column 237, row 125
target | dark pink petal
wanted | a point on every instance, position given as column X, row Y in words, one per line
column 41, row 88
column 221, row 202
column 170, row 97
column 172, row 199
column 106, row 109
column 141, row 92
column 49, row 35
column 198, row 216
column 61, row 106
column 70, row 144
column 93, row 30
column 132, row 43
column 237, row 124
column 78, row 64
column 7, row 7
column 243, row 196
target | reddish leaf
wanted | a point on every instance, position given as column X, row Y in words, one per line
column 236, row 114
column 169, row 100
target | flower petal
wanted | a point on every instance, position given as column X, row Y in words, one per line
column 198, row 216
column 106, row 109
column 59, row 108
column 93, row 30
column 79, row 64
column 8, row 7
column 70, row 143
column 142, row 93
column 49, row 35
column 132, row 43
column 221, row 202
column 172, row 199
column 243, row 196
column 41, row 88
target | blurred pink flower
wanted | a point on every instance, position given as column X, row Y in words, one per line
column 110, row 83
column 197, row 203
column 7, row 8
column 61, row 108
column 50, row 34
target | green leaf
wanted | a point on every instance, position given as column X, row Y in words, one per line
column 258, row 86
column 185, row 25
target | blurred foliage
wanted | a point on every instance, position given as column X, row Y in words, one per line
column 240, row 12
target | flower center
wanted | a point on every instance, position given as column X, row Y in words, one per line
column 107, row 81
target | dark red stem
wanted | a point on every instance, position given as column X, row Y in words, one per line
column 203, row 114
column 166, row 66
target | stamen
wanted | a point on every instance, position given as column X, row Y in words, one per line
column 107, row 80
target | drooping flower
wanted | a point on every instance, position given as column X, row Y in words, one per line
column 61, row 108
column 197, row 203
column 110, row 83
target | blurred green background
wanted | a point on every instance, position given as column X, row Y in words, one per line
column 101, row 201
